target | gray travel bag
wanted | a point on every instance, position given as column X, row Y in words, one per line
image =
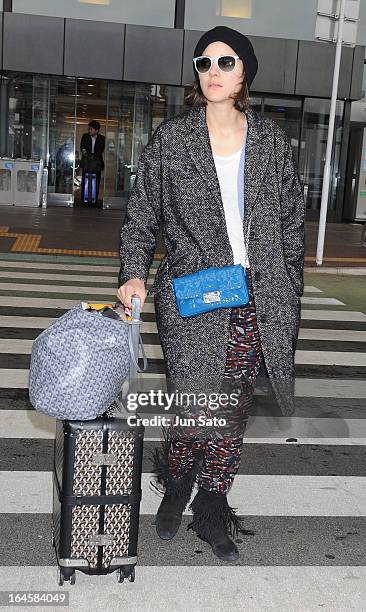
column 79, row 364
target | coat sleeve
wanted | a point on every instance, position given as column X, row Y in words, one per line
column 141, row 225
column 293, row 220
column 84, row 142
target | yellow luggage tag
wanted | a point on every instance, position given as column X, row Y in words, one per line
column 90, row 306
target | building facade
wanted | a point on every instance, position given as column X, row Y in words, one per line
column 129, row 65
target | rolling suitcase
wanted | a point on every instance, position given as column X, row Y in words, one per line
column 90, row 188
column 97, row 489
column 96, row 497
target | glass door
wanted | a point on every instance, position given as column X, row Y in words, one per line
column 134, row 112
column 61, row 160
column 287, row 113
column 119, row 136
column 313, row 150
column 19, row 111
column 40, row 118
column 128, row 131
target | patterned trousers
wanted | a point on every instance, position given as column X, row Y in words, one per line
column 221, row 456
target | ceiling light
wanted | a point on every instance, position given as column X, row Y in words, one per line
column 239, row 9
column 104, row 2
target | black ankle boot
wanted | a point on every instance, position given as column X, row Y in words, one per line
column 177, row 493
column 170, row 512
column 213, row 521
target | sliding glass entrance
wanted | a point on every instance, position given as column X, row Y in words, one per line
column 61, row 151
column 47, row 116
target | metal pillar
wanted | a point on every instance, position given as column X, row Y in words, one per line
column 4, row 116
column 328, row 156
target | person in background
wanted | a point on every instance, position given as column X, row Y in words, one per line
column 92, row 148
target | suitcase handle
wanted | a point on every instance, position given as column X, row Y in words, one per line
column 134, row 357
column 133, row 345
column 134, row 336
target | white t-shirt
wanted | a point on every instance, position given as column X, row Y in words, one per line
column 93, row 142
column 227, row 171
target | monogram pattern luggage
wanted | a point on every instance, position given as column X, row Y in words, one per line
column 96, row 496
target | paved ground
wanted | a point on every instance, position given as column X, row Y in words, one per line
column 301, row 487
column 78, row 231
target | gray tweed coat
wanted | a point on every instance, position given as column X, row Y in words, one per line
column 177, row 186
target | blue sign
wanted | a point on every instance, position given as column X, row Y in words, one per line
column 9, row 165
column 34, row 167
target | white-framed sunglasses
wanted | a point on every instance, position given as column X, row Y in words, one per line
column 226, row 63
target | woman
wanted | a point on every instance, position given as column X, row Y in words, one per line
column 222, row 182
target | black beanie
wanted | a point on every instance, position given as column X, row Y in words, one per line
column 240, row 43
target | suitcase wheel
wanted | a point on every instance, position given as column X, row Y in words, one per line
column 126, row 572
column 66, row 574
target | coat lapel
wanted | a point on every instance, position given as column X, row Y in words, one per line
column 256, row 159
column 199, row 148
column 257, row 155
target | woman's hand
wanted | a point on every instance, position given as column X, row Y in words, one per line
column 130, row 288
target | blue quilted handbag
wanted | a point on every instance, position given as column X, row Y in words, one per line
column 210, row 289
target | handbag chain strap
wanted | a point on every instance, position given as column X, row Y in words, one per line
column 246, row 239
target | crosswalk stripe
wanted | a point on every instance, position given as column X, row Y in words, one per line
column 335, row 358
column 342, row 335
column 254, row 588
column 322, row 387
column 321, row 301
column 312, row 289
column 106, row 268
column 259, row 495
column 38, row 276
column 44, row 322
column 65, row 265
column 333, row 315
column 26, row 322
column 11, row 378
column 24, row 347
column 19, row 378
column 89, row 290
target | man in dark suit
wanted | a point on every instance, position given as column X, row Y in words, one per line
column 92, row 149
